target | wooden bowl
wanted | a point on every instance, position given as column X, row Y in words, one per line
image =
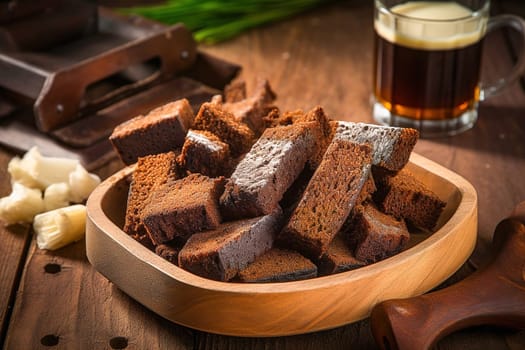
column 286, row 308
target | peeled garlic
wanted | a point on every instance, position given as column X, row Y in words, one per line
column 57, row 196
column 63, row 181
column 42, row 171
column 19, row 174
column 21, row 205
column 59, row 227
column 82, row 184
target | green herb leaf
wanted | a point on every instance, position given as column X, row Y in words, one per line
column 213, row 21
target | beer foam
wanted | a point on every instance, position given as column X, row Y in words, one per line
column 431, row 25
column 432, row 10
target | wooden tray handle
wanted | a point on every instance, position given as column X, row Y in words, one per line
column 495, row 294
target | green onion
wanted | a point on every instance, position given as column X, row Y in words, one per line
column 212, row 21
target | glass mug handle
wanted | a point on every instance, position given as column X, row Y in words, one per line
column 518, row 24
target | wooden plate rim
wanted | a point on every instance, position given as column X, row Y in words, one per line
column 467, row 208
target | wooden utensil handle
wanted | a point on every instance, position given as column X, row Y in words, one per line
column 495, row 294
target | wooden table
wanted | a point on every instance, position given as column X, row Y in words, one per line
column 323, row 57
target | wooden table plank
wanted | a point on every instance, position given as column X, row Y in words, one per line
column 65, row 303
column 15, row 240
column 323, row 57
column 12, row 257
column 357, row 336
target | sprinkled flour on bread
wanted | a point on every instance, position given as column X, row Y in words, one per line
column 264, row 174
column 391, row 146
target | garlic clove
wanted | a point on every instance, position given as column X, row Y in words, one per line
column 57, row 196
column 60, row 227
column 47, row 170
column 82, row 184
column 21, row 205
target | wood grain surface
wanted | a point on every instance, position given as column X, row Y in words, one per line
column 15, row 240
column 321, row 57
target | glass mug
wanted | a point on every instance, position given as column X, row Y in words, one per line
column 428, row 62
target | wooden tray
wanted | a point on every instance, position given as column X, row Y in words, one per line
column 287, row 308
